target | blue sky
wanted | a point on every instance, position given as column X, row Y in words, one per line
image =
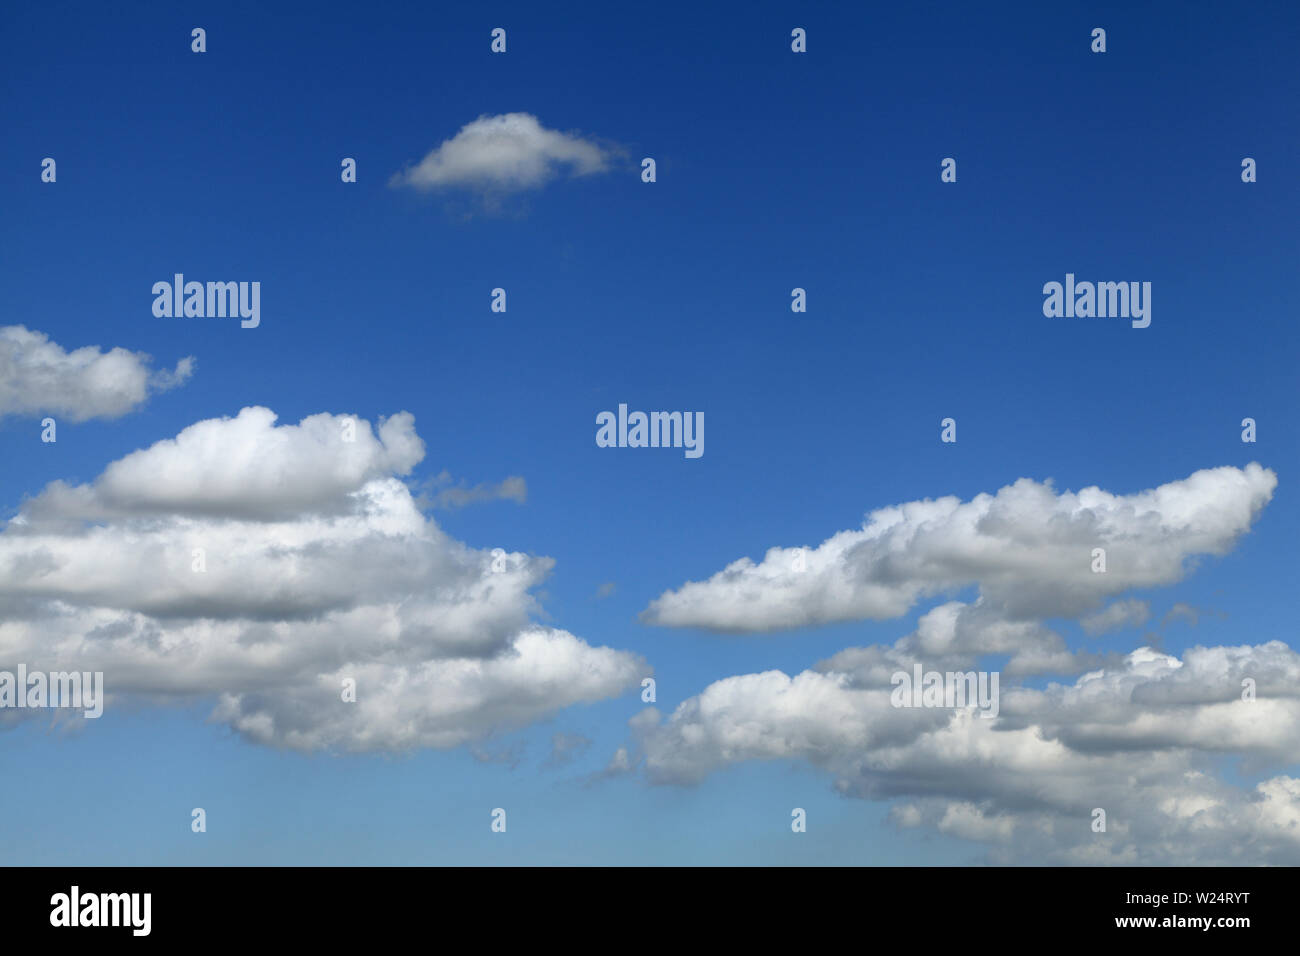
column 775, row 170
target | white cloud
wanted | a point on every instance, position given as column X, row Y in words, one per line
column 243, row 467
column 1140, row 735
column 319, row 567
column 1137, row 739
column 509, row 152
column 38, row 377
column 1027, row 548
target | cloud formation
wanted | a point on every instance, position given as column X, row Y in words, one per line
column 506, row 153
column 1138, row 739
column 1028, row 549
column 263, row 565
column 1140, row 735
column 448, row 495
column 1117, row 616
column 38, row 377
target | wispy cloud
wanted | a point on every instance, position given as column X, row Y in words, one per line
column 443, row 494
column 565, row 748
column 1116, row 616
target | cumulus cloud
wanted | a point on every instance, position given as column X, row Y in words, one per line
column 39, row 377
column 1028, row 549
column 507, row 153
column 956, row 634
column 1137, row 739
column 243, row 467
column 1140, row 735
column 265, row 565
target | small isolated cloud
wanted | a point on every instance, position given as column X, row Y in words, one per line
column 446, row 495
column 510, row 757
column 621, row 764
column 39, row 377
column 605, row 590
column 507, row 153
column 565, row 748
column 1191, row 615
column 1121, row 614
